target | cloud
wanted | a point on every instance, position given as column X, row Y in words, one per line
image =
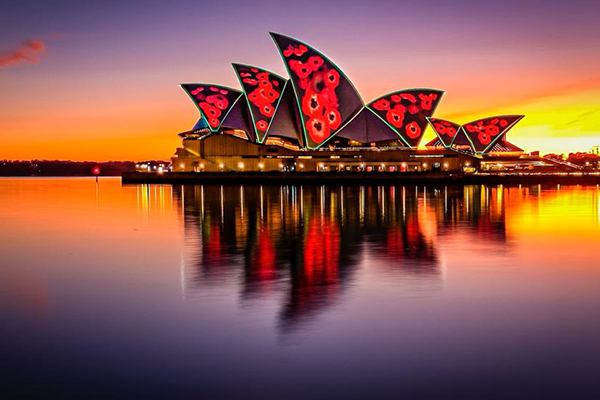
column 28, row 52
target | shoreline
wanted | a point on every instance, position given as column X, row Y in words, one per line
column 359, row 178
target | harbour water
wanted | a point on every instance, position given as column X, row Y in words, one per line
column 298, row 291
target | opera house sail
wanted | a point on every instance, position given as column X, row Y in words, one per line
column 316, row 120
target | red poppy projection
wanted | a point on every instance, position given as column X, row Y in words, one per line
column 321, row 103
column 326, row 98
column 406, row 112
column 446, row 131
column 213, row 101
column 483, row 133
column 477, row 136
column 262, row 90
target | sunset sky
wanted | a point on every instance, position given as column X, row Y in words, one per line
column 98, row 80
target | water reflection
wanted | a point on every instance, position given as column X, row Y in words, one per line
column 326, row 292
column 309, row 242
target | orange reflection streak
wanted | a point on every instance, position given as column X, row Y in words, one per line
column 565, row 218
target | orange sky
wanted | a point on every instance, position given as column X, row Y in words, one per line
column 106, row 88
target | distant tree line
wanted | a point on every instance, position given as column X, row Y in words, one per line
column 64, row 168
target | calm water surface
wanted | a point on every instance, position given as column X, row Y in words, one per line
column 298, row 292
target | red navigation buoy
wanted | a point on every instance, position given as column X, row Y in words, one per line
column 96, row 171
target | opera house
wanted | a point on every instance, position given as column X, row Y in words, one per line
column 317, row 121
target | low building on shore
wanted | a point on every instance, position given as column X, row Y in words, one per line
column 224, row 152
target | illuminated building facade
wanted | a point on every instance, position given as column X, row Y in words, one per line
column 316, row 120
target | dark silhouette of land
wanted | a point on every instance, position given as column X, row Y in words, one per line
column 64, row 168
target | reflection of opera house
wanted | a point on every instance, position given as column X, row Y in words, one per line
column 317, row 121
column 304, row 246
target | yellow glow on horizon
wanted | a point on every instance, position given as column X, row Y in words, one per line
column 558, row 123
column 144, row 129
